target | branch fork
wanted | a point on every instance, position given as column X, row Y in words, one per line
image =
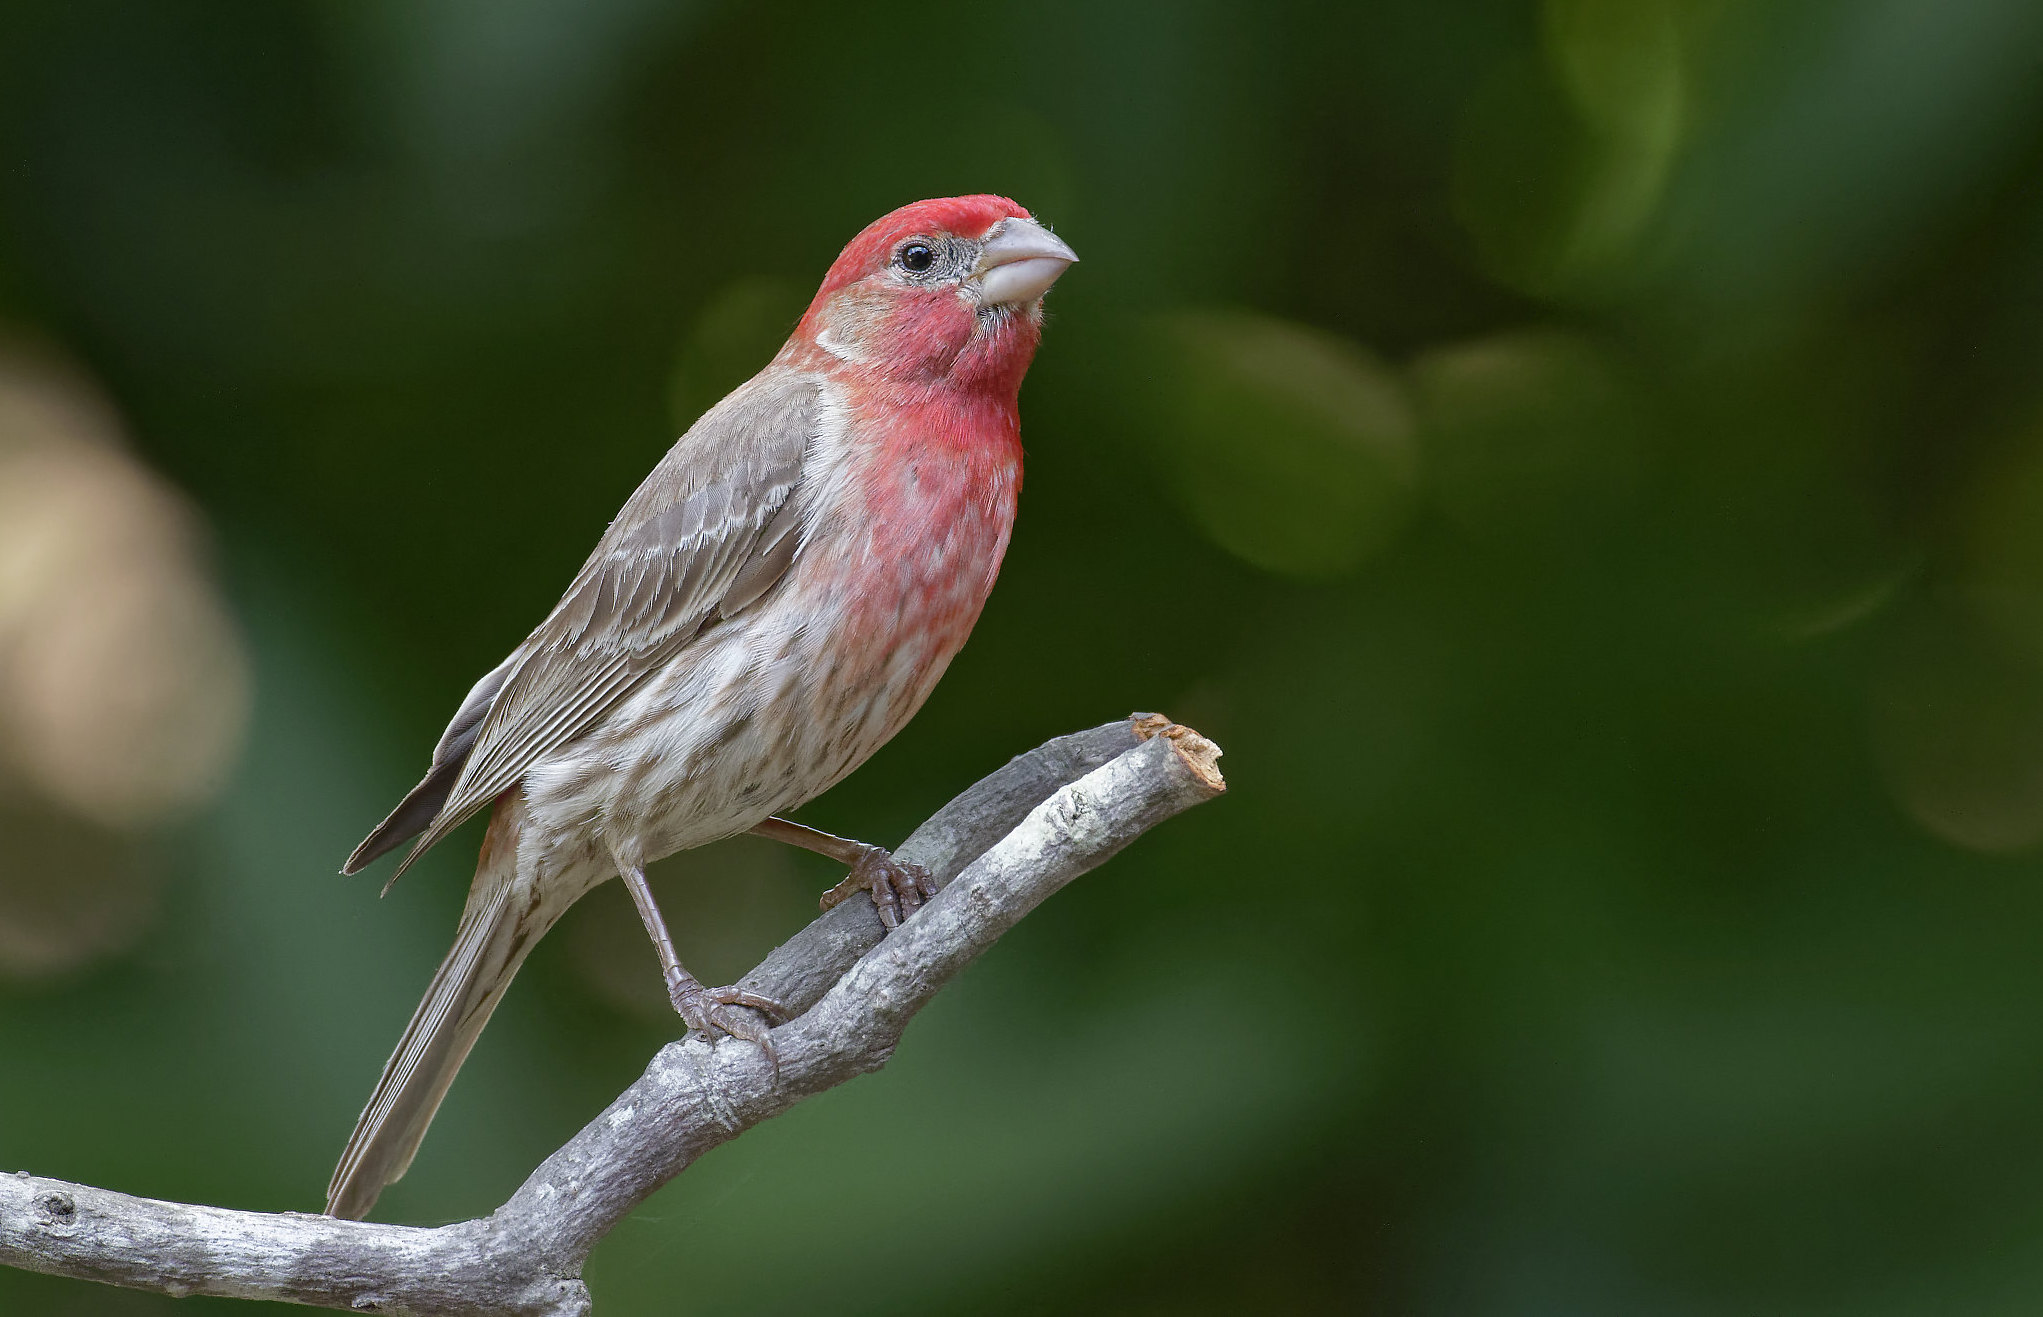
column 996, row 852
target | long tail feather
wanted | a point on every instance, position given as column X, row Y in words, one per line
column 496, row 932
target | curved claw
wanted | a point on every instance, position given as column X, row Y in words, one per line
column 766, row 1006
column 713, row 1011
column 898, row 888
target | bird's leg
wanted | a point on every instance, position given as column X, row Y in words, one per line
column 707, row 1010
column 898, row 888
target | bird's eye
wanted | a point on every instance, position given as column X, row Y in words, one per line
column 916, row 257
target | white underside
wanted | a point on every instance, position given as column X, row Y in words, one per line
column 766, row 710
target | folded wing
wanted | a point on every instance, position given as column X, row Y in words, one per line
column 714, row 526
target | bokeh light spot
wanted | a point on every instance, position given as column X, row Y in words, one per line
column 2002, row 529
column 1562, row 162
column 1521, row 427
column 1957, row 717
column 123, row 685
column 1291, row 448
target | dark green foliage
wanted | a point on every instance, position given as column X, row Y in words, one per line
column 1627, row 644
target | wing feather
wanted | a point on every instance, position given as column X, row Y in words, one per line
column 708, row 532
column 423, row 802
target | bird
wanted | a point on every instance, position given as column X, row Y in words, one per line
column 772, row 604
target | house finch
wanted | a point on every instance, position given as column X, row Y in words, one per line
column 772, row 604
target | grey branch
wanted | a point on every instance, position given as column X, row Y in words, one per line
column 998, row 850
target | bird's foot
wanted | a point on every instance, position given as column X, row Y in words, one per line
column 898, row 888
column 714, row 1011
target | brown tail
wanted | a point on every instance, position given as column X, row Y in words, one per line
column 497, row 929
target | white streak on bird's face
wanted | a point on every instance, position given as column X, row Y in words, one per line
column 837, row 347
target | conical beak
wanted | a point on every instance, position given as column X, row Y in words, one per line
column 1018, row 262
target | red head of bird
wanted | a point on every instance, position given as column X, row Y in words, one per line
column 943, row 294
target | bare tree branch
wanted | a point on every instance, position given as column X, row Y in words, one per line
column 998, row 850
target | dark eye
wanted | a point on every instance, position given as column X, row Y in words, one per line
column 916, row 257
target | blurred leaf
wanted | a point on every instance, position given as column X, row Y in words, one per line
column 1561, row 164
column 1829, row 135
column 1626, row 901
column 1524, row 428
column 1958, row 720
column 1290, row 447
column 2001, row 530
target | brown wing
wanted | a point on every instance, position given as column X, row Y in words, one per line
column 710, row 530
column 423, row 802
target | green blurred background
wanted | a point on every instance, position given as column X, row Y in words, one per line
column 1582, row 460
